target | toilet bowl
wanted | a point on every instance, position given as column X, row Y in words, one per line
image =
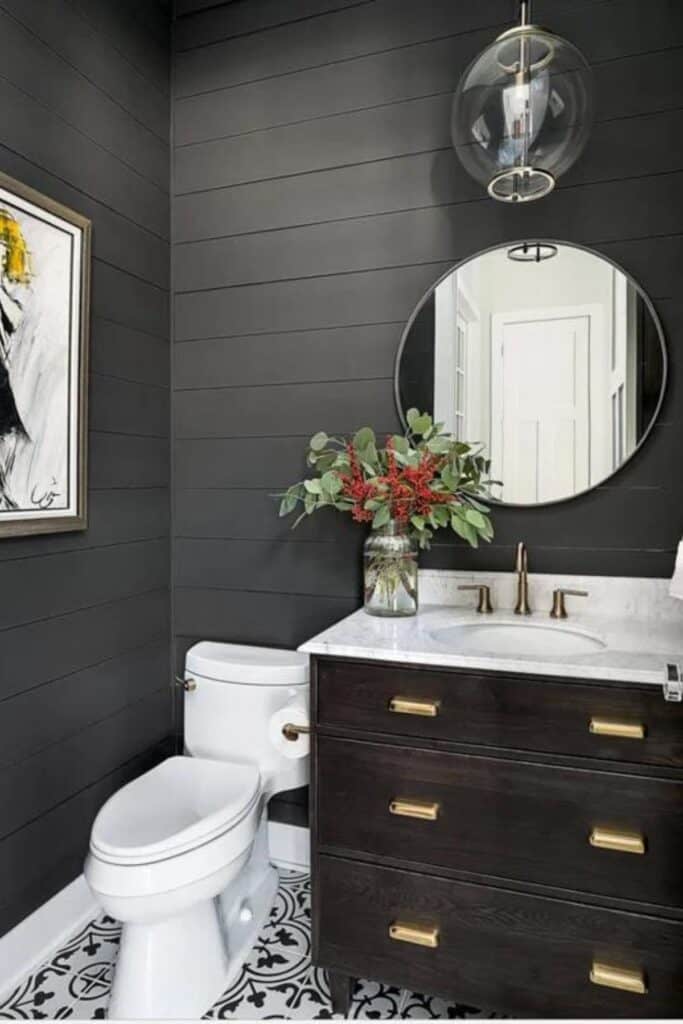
column 179, row 855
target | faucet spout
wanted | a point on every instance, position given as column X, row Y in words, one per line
column 521, row 568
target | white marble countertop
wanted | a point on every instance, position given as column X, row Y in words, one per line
column 636, row 649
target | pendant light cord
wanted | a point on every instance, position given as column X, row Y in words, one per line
column 524, row 12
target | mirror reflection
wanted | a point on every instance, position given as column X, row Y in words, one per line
column 548, row 355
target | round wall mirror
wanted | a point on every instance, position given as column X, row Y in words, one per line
column 545, row 353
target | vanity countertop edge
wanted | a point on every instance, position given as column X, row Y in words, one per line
column 637, row 651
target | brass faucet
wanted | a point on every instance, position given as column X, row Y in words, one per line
column 521, row 568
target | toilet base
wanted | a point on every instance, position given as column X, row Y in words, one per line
column 170, row 969
column 178, row 967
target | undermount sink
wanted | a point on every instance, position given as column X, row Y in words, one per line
column 511, row 638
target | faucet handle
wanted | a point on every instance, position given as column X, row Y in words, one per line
column 484, row 607
column 558, row 610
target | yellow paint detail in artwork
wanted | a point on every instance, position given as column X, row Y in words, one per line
column 16, row 260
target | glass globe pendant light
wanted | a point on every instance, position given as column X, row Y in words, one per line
column 522, row 112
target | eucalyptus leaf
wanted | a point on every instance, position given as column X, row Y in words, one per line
column 363, row 438
column 318, row 441
column 331, row 483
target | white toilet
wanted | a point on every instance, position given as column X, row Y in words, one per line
column 180, row 854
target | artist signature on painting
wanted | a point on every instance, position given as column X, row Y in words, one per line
column 46, row 499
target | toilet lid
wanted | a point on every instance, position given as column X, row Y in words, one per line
column 179, row 805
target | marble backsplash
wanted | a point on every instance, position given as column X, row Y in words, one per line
column 612, row 596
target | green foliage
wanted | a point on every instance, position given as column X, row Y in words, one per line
column 445, row 478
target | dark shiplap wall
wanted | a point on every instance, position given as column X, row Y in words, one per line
column 316, row 198
column 84, row 617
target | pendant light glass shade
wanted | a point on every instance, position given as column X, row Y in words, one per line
column 522, row 112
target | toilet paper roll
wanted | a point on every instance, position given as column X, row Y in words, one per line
column 297, row 714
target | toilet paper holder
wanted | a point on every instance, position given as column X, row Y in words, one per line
column 291, row 731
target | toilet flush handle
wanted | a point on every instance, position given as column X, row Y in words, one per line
column 187, row 684
column 290, row 731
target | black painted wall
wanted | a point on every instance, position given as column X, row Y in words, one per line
column 84, row 617
column 316, row 198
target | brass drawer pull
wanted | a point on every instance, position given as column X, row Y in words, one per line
column 617, row 977
column 417, row 934
column 625, row 730
column 408, row 706
column 623, row 842
column 422, row 809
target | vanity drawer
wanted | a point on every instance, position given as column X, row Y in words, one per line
column 503, row 818
column 500, row 950
column 559, row 716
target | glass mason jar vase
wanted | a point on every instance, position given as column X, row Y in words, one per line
column 390, row 571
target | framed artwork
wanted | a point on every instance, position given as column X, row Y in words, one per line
column 44, row 338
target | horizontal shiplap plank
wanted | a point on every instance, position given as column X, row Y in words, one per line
column 328, row 568
column 602, row 31
column 38, row 588
column 251, row 514
column 125, row 407
column 81, row 46
column 129, row 35
column 119, row 296
column 398, row 129
column 120, row 351
column 37, row 70
column 33, row 787
column 338, row 35
column 210, row 22
column 288, row 358
column 634, row 84
column 114, row 517
column 283, row 620
column 49, row 714
column 120, row 460
column 407, row 183
column 570, row 560
column 286, row 409
column 357, row 137
column 392, row 76
column 427, row 235
column 115, row 239
column 645, row 520
column 380, row 296
column 42, row 652
column 32, row 130
column 384, row 296
column 273, row 462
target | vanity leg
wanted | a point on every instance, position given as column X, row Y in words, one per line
column 341, row 990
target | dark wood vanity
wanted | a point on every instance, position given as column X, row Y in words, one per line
column 510, row 842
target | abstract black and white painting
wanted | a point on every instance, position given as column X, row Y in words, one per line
column 44, row 321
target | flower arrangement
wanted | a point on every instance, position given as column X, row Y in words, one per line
column 423, row 480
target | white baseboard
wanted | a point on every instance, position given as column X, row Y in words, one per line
column 289, row 846
column 30, row 943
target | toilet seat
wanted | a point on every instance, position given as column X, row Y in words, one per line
column 179, row 805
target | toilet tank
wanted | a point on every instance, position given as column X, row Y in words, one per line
column 233, row 711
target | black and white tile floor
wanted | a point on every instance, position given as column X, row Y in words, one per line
column 277, row 980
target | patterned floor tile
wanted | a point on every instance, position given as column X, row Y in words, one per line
column 98, row 942
column 44, row 995
column 277, row 980
column 420, row 1007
